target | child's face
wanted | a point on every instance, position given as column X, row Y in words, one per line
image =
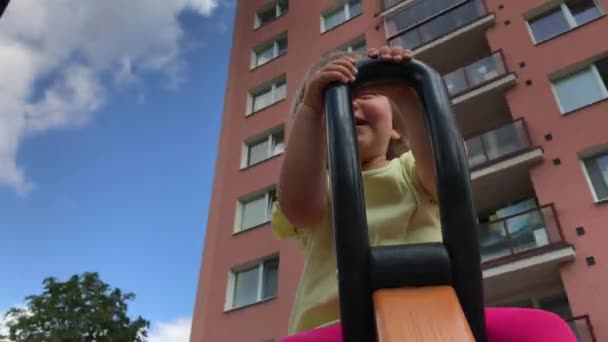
column 373, row 120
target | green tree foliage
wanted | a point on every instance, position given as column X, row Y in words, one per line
column 84, row 308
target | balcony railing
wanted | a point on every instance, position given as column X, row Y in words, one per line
column 581, row 325
column 422, row 9
column 498, row 144
column 434, row 26
column 390, row 3
column 475, row 75
column 519, row 234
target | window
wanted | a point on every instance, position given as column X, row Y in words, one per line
column 267, row 95
column 583, row 87
column 253, row 284
column 331, row 19
column 568, row 15
column 269, row 13
column 359, row 46
column 263, row 148
column 597, row 174
column 255, row 210
column 267, row 52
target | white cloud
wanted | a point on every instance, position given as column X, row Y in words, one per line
column 174, row 331
column 3, row 327
column 57, row 56
column 5, row 320
column 203, row 6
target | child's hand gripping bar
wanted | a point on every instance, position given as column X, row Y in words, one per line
column 362, row 269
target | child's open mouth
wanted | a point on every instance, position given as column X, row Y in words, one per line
column 360, row 122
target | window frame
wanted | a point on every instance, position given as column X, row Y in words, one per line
column 600, row 152
column 347, row 45
column 272, row 86
column 271, row 137
column 274, row 44
column 357, row 41
column 347, row 15
column 596, row 75
column 565, row 11
column 257, row 23
column 229, row 304
column 269, row 194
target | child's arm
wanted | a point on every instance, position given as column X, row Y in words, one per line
column 420, row 143
column 416, row 129
column 303, row 176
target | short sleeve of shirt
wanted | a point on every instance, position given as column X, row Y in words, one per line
column 283, row 229
column 408, row 163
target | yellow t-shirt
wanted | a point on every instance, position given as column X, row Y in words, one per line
column 398, row 211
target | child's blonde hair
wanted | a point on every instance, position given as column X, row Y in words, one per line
column 396, row 147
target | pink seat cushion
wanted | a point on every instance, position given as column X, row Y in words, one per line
column 502, row 324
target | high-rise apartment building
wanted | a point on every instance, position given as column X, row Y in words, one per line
column 529, row 83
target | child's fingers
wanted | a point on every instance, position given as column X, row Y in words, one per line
column 397, row 56
column 350, row 64
column 405, row 53
column 344, row 70
column 329, row 76
column 394, row 54
column 386, row 53
column 346, row 63
column 372, row 52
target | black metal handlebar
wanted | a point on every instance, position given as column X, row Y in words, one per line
column 458, row 220
column 3, row 5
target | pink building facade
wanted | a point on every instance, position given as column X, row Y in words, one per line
column 529, row 83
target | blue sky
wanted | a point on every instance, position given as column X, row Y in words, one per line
column 108, row 146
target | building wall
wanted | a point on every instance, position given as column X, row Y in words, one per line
column 565, row 184
column 222, row 249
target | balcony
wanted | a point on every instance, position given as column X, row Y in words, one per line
column 438, row 39
column 511, row 236
column 478, row 86
column 498, row 144
column 499, row 160
column 581, row 325
column 476, row 75
column 390, row 4
column 522, row 250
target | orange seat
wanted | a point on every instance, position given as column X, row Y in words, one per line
column 429, row 314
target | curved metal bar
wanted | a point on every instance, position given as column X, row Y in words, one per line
column 458, row 219
column 3, row 5
column 349, row 217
